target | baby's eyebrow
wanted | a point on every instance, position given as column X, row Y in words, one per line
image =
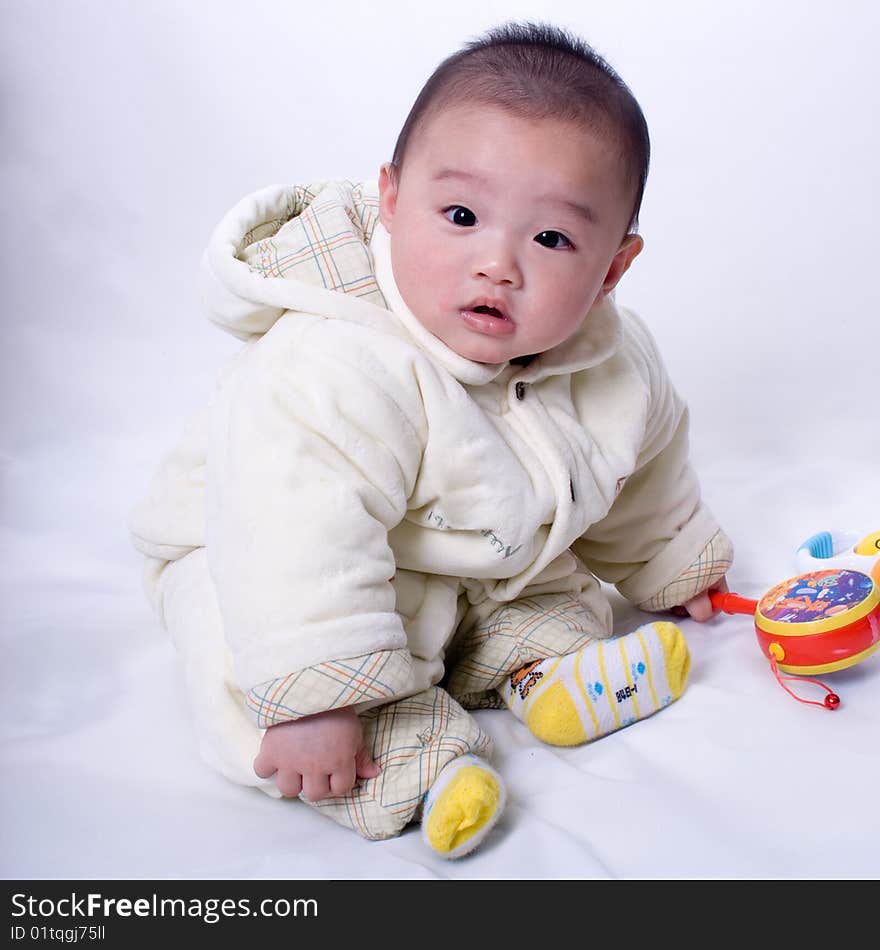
column 582, row 210
column 446, row 173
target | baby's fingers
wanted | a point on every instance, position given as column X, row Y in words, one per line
column 289, row 783
column 365, row 766
column 315, row 787
column 700, row 607
column 342, row 780
column 264, row 765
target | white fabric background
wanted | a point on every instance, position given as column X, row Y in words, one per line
column 128, row 129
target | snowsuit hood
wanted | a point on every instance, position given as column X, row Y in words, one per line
column 321, row 248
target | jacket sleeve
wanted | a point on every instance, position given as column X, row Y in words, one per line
column 658, row 544
column 168, row 522
column 314, row 450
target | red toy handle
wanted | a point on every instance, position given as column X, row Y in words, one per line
column 732, row 603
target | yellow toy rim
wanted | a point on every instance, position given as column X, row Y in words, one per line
column 829, row 667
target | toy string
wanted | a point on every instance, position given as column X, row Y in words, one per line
column 831, row 701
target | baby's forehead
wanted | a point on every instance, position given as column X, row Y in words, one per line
column 480, row 110
column 480, row 140
column 456, row 125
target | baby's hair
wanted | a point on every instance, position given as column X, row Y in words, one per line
column 538, row 71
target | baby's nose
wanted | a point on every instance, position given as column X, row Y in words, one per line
column 499, row 265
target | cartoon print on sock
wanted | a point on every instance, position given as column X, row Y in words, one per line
column 525, row 678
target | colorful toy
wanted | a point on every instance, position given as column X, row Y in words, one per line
column 841, row 549
column 816, row 622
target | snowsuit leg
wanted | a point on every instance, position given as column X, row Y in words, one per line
column 412, row 739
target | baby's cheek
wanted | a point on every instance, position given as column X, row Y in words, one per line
column 436, row 286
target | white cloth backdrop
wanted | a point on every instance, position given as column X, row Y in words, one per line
column 128, row 129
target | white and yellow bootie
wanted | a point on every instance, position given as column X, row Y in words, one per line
column 604, row 686
column 461, row 806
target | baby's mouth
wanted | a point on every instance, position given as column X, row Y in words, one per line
column 487, row 320
column 492, row 311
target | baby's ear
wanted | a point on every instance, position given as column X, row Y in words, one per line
column 387, row 194
column 630, row 248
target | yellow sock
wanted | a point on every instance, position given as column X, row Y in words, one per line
column 462, row 806
column 608, row 684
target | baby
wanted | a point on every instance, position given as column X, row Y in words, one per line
column 441, row 434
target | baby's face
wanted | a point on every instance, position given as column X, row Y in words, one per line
column 524, row 216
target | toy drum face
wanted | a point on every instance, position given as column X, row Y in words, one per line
column 820, row 622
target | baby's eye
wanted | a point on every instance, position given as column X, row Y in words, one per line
column 551, row 238
column 460, row 215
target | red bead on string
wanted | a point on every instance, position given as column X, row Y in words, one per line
column 831, row 701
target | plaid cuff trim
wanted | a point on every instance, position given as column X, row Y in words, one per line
column 712, row 564
column 330, row 685
column 323, row 242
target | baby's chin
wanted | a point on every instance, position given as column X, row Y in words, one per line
column 479, row 351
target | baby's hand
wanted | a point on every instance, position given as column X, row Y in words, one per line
column 318, row 755
column 700, row 608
